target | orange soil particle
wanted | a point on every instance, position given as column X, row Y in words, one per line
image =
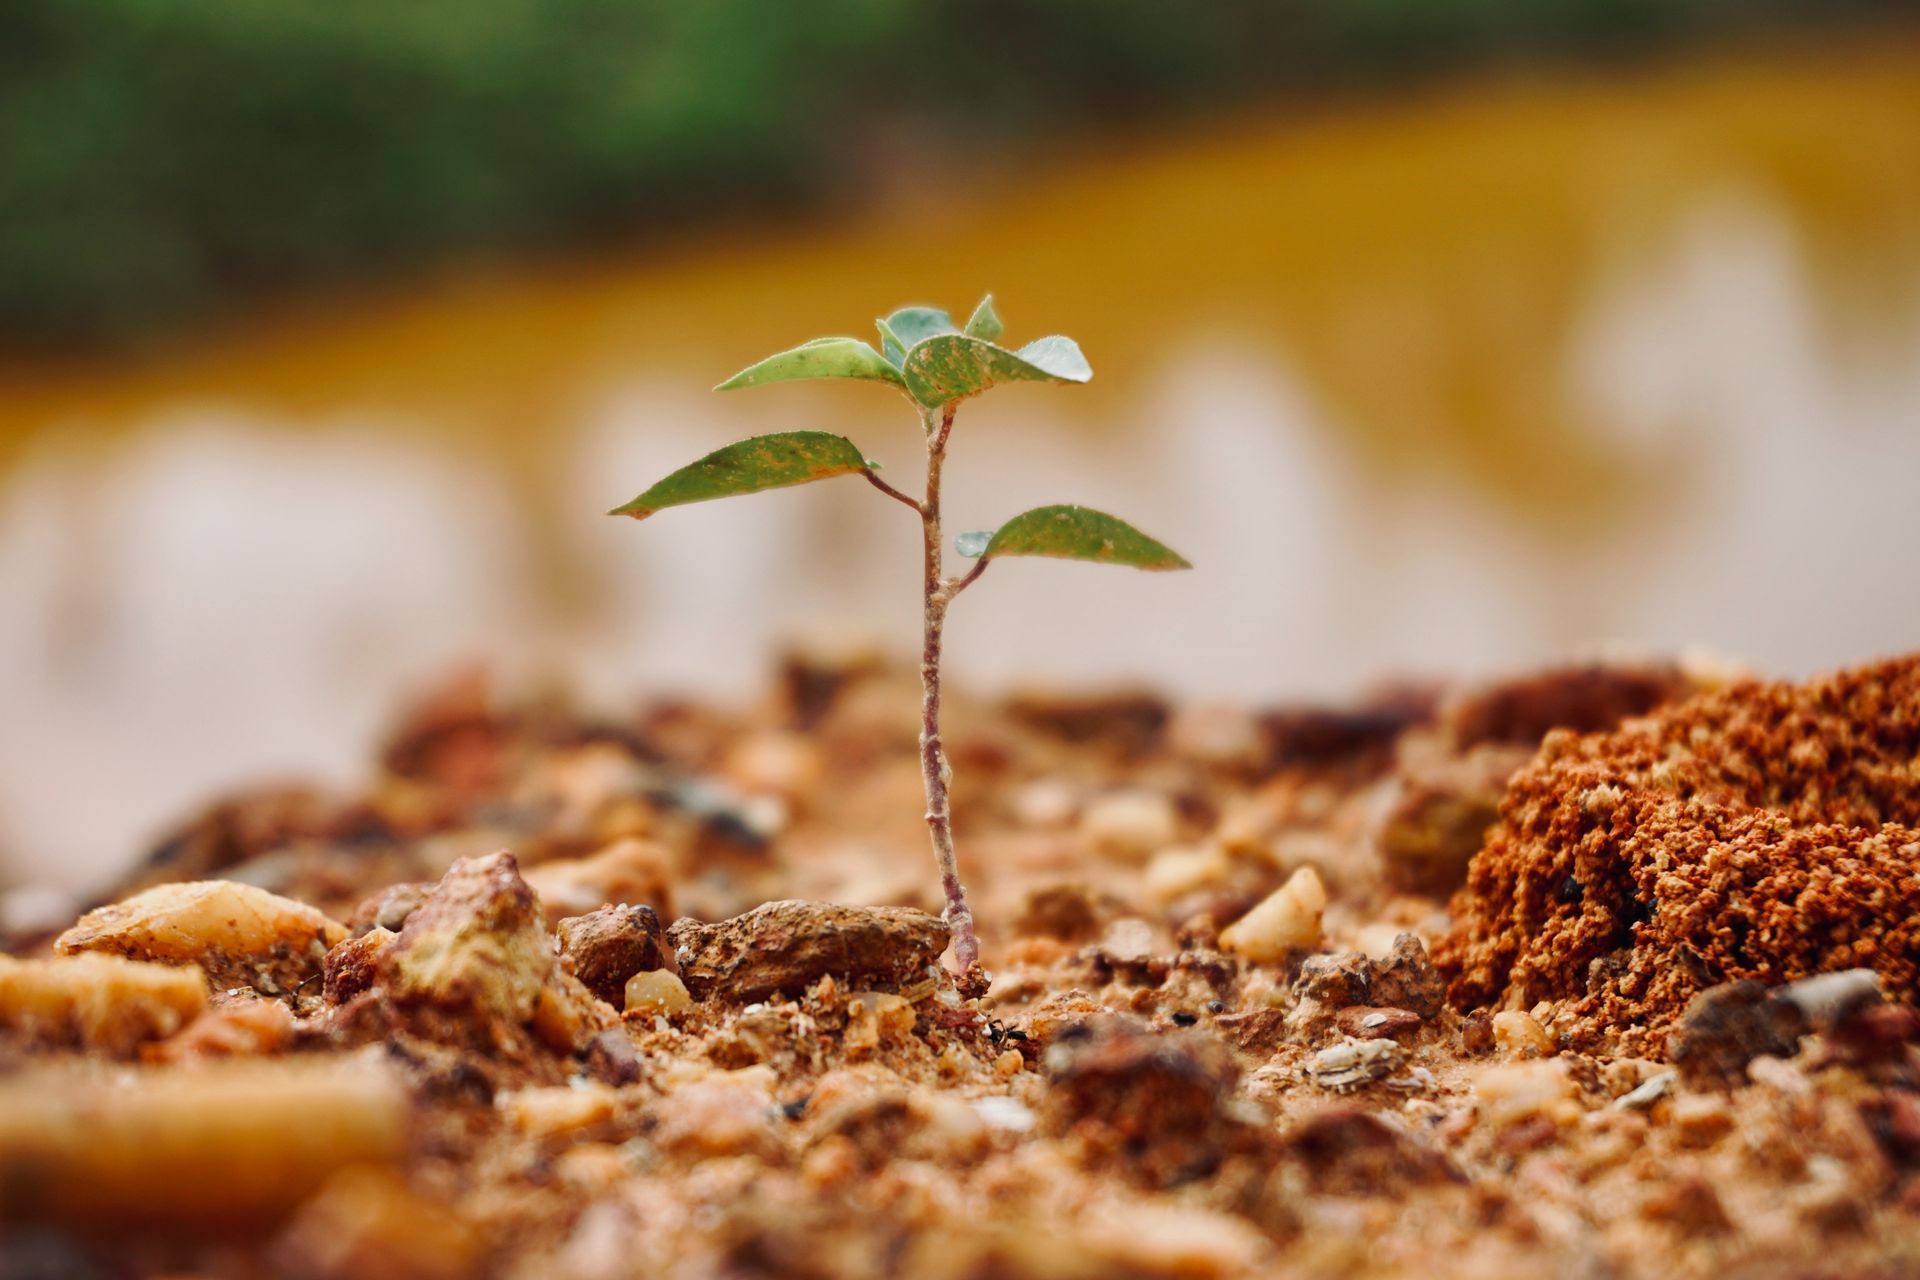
column 1768, row 831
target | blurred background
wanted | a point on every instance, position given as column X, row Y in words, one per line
column 1445, row 336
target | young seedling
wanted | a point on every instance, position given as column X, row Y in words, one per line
column 936, row 366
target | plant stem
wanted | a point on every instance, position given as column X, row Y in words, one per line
column 934, row 769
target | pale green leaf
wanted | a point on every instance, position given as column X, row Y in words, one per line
column 1081, row 533
column 748, row 466
column 972, row 544
column 985, row 321
column 821, row 358
column 909, row 325
column 953, row 366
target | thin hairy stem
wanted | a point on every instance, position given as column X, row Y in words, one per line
column 889, row 490
column 935, row 772
column 956, row 585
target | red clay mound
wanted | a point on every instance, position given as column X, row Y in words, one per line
column 1767, row 831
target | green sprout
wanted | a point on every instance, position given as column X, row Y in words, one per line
column 936, row 366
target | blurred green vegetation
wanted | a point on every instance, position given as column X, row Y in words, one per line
column 159, row 159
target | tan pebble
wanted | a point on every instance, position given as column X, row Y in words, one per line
column 1009, row 1063
column 368, row 1222
column 1699, row 1120
column 1046, row 805
column 239, row 934
column 625, row 872
column 954, row 1062
column 1375, row 941
column 1130, row 823
column 1128, row 939
column 1288, row 920
column 1513, row 1091
column 726, row 1113
column 591, row 1167
column 874, row 1017
column 101, row 1003
column 219, row 1142
column 1521, row 1034
column 1221, row 734
column 1191, row 1243
column 775, row 763
column 544, row 1112
column 1174, row 873
column 834, row 1162
column 657, row 992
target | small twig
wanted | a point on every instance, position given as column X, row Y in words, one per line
column 956, row 585
column 892, row 492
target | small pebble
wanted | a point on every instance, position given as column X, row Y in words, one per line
column 1130, row 823
column 1650, row 1091
column 1521, row 1034
column 1008, row 1114
column 1352, row 1063
column 1700, row 1120
column 1288, row 920
column 656, row 991
column 1368, row 1023
column 1174, row 873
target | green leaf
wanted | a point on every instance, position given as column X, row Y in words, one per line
column 985, row 321
column 748, row 466
column 953, row 366
column 821, row 358
column 909, row 325
column 1080, row 533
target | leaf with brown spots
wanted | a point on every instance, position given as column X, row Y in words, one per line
column 748, row 466
column 1076, row 533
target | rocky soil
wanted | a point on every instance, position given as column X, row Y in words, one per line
column 1599, row 972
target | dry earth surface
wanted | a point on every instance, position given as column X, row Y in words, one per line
column 1598, row 972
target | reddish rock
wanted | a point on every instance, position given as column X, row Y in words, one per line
column 1370, row 1023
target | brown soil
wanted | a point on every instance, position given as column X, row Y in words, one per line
column 660, row 996
column 1770, row 831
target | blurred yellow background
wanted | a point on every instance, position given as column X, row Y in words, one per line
column 1482, row 371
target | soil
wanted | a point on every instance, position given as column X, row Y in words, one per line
column 1605, row 971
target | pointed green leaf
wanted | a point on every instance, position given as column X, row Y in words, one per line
column 972, row 544
column 748, row 466
column 1081, row 533
column 821, row 358
column 953, row 366
column 901, row 330
column 985, row 321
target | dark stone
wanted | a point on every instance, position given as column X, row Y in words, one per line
column 1064, row 911
column 1346, row 1151
column 389, row 908
column 1156, row 1103
column 612, row 1059
column 1406, row 979
column 1726, row 1027
column 606, row 947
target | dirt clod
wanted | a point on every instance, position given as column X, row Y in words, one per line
column 1770, row 831
column 788, row 946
